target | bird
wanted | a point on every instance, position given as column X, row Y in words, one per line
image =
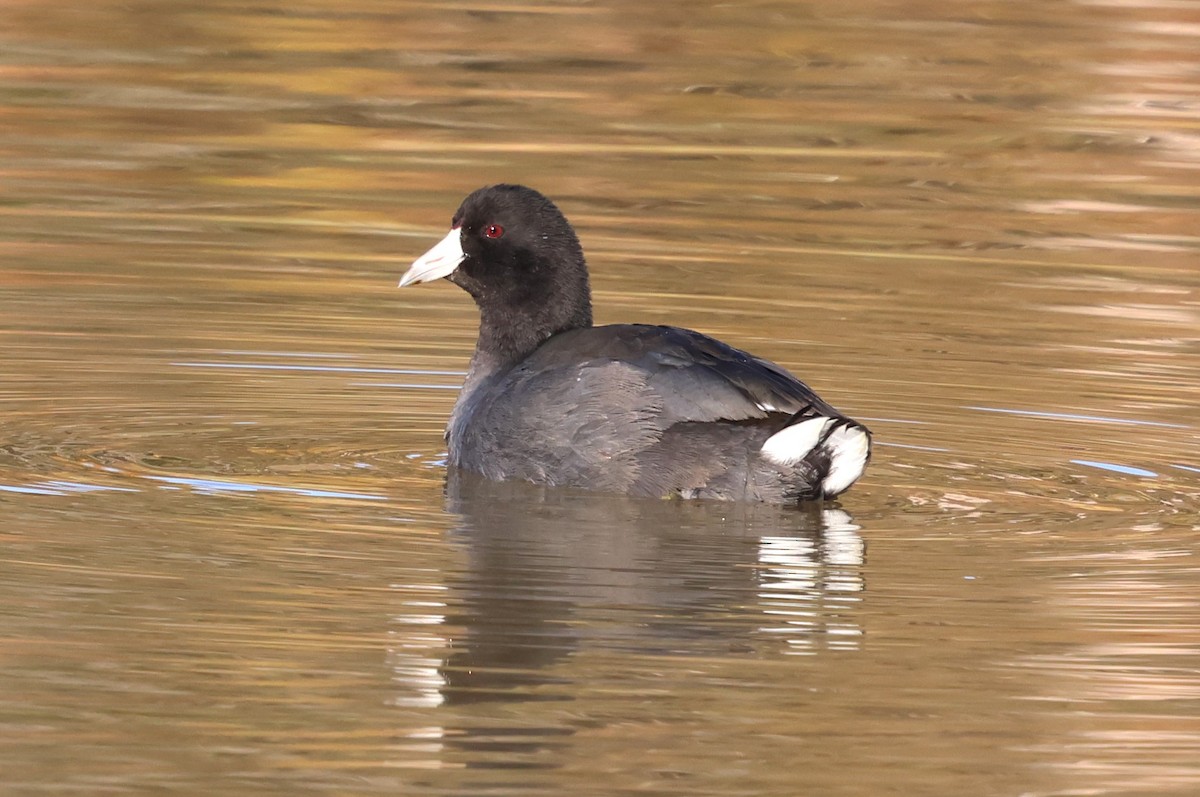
column 638, row 409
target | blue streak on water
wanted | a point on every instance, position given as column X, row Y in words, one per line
column 1187, row 467
column 914, row 448
column 13, row 488
column 1126, row 469
column 216, row 486
column 83, row 487
column 1069, row 416
column 329, row 368
column 62, row 488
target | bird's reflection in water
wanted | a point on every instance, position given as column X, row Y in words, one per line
column 551, row 574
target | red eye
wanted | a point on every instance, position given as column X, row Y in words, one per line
column 493, row 231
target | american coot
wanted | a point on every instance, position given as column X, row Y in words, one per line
column 630, row 408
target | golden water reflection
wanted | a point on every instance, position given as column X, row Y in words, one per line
column 232, row 563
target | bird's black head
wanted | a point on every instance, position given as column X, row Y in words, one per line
column 513, row 250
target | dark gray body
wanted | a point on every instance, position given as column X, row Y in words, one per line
column 643, row 410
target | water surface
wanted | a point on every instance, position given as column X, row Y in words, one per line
column 232, row 559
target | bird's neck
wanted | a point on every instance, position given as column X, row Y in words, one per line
column 505, row 341
column 509, row 334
